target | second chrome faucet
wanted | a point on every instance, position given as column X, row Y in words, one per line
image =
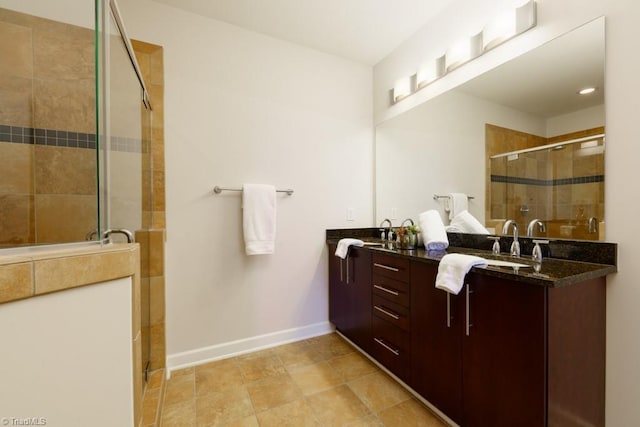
column 515, row 246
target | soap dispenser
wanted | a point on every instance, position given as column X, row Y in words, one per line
column 536, row 254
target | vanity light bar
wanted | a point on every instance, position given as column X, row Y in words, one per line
column 505, row 26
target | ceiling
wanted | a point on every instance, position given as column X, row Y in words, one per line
column 545, row 81
column 361, row 30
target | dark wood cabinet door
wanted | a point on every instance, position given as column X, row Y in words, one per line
column 337, row 291
column 436, row 342
column 350, row 295
column 504, row 354
column 358, row 288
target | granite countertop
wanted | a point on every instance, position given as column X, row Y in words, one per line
column 552, row 272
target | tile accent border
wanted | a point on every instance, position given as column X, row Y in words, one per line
column 547, row 182
column 64, row 138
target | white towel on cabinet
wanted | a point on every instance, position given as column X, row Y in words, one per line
column 452, row 270
column 259, row 218
column 343, row 246
column 458, row 202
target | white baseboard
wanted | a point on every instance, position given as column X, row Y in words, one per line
column 247, row 345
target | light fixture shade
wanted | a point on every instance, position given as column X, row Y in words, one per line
column 429, row 72
column 463, row 51
column 499, row 30
column 508, row 24
column 402, row 88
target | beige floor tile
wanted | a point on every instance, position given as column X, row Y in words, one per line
column 378, row 391
column 337, row 406
column 314, row 378
column 179, row 389
column 330, row 346
column 217, row 376
column 221, row 408
column 256, row 368
column 294, row 414
column 298, row 354
column 273, row 391
column 181, row 372
column 410, row 413
column 179, row 415
column 368, row 421
column 250, row 421
column 353, row 366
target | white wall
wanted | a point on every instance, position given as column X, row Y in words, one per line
column 243, row 107
column 66, row 357
column 587, row 118
column 622, row 104
column 410, row 149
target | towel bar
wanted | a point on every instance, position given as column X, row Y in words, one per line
column 219, row 190
column 436, row 197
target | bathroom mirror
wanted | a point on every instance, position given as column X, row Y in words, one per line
column 518, row 139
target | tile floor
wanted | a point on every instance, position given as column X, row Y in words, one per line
column 321, row 381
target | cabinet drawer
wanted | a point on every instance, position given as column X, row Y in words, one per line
column 390, row 347
column 392, row 267
column 392, row 290
column 393, row 313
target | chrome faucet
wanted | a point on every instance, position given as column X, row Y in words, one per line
column 532, row 225
column 515, row 246
column 386, row 230
column 593, row 225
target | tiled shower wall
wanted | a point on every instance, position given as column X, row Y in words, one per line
column 152, row 238
column 47, row 131
column 563, row 187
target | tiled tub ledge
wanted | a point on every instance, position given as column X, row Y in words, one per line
column 29, row 274
column 39, row 271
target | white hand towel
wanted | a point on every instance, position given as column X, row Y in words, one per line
column 259, row 218
column 434, row 235
column 458, row 202
column 452, row 270
column 343, row 246
column 464, row 222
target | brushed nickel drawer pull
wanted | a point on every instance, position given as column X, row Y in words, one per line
column 392, row 350
column 386, row 267
column 388, row 313
column 387, row 290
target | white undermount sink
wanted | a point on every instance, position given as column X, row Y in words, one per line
column 501, row 263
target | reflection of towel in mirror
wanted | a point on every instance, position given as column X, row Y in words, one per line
column 343, row 246
column 464, row 222
column 452, row 270
column 458, row 202
column 434, row 235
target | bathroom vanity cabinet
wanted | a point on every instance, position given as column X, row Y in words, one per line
column 350, row 295
column 504, row 352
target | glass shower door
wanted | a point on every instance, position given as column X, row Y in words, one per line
column 126, row 160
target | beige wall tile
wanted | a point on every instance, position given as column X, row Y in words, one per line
column 158, row 347
column 16, row 108
column 65, row 104
column 15, row 50
column 137, row 380
column 16, row 173
column 16, row 219
column 156, row 253
column 66, row 53
column 157, row 300
column 15, row 281
column 65, row 170
column 157, row 67
column 64, row 218
column 62, row 273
